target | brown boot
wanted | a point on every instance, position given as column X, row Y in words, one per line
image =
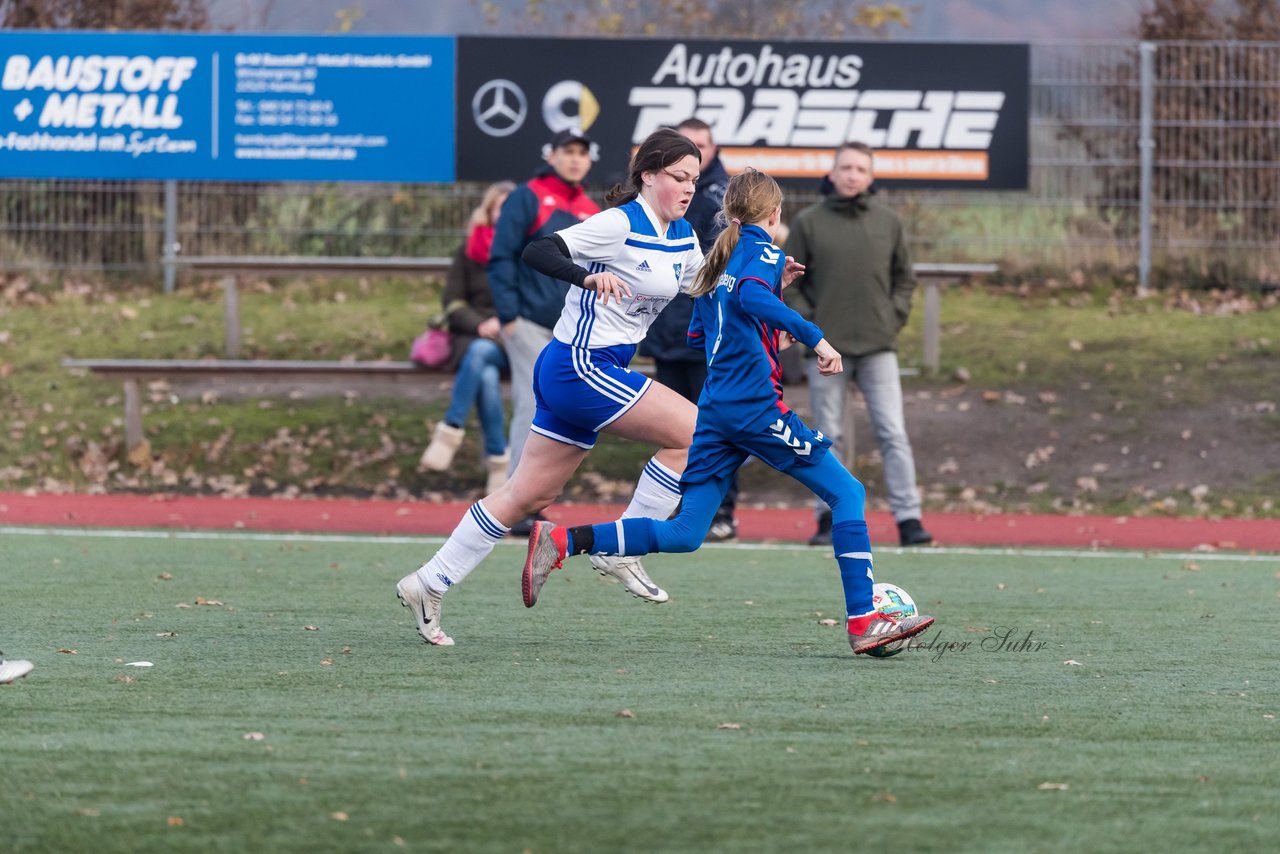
column 444, row 444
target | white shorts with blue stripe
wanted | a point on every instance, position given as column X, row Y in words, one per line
column 579, row 391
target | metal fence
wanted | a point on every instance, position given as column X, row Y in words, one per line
column 1204, row 206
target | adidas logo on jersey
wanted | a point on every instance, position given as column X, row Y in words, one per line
column 643, row 267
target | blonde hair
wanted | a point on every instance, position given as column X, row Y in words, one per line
column 483, row 214
column 750, row 197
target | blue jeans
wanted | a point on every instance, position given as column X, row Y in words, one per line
column 878, row 379
column 477, row 382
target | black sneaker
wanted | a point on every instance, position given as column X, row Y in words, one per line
column 525, row 526
column 912, row 533
column 723, row 528
column 823, row 535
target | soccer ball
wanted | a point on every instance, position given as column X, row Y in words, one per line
column 892, row 600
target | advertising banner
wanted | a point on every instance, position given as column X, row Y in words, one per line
column 944, row 115
column 233, row 108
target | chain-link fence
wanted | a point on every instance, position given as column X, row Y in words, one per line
column 1214, row 131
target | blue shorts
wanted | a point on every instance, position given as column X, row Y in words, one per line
column 718, row 449
column 578, row 392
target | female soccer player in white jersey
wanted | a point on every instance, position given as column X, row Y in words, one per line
column 738, row 315
column 627, row 263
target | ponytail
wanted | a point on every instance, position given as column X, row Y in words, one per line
column 713, row 266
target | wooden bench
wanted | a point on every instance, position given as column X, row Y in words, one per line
column 385, row 377
column 931, row 276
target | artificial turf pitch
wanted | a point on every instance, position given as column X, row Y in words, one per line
column 303, row 713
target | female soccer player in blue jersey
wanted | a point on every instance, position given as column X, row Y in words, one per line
column 738, row 317
column 627, row 263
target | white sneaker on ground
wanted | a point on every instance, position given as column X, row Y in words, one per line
column 15, row 669
column 425, row 605
column 631, row 573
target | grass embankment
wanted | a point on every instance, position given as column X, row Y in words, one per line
column 1085, row 362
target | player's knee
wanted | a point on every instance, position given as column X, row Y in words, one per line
column 685, row 543
column 851, row 497
column 681, row 540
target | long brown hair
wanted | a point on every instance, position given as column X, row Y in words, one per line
column 750, row 197
column 484, row 213
column 660, row 149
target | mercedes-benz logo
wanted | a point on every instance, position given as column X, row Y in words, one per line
column 499, row 108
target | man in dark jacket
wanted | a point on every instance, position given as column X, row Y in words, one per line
column 858, row 282
column 529, row 303
column 676, row 365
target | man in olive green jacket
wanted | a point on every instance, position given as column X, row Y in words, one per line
column 858, row 285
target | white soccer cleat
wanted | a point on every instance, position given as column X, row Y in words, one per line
column 631, row 573
column 425, row 605
column 15, row 669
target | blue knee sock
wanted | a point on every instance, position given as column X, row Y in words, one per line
column 853, row 553
column 636, row 535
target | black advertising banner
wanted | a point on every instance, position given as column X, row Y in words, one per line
column 936, row 115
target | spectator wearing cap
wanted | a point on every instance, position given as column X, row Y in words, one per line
column 677, row 365
column 529, row 303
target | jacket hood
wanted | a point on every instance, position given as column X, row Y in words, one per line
column 848, row 205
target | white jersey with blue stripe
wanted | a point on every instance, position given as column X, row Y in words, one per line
column 625, row 241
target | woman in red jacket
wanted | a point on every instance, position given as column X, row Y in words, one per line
column 477, row 348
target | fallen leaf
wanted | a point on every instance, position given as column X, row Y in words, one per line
column 1075, row 345
column 89, row 812
column 1073, row 663
column 139, row 664
column 827, row 622
column 885, row 797
column 255, row 736
column 67, row 651
column 183, row 605
column 311, row 628
column 1053, row 787
column 165, row 576
column 326, row 661
column 339, row 816
column 346, row 650
column 626, row 713
column 175, row 821
column 729, row 726
column 200, row 600
column 166, row 634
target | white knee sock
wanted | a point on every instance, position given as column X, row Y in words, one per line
column 469, row 544
column 657, row 493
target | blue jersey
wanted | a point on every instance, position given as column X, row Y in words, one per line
column 738, row 325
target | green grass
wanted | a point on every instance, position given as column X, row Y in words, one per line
column 1164, row 735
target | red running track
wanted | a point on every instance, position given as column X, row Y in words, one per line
column 778, row 525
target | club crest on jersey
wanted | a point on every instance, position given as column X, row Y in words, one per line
column 643, row 267
column 678, row 268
